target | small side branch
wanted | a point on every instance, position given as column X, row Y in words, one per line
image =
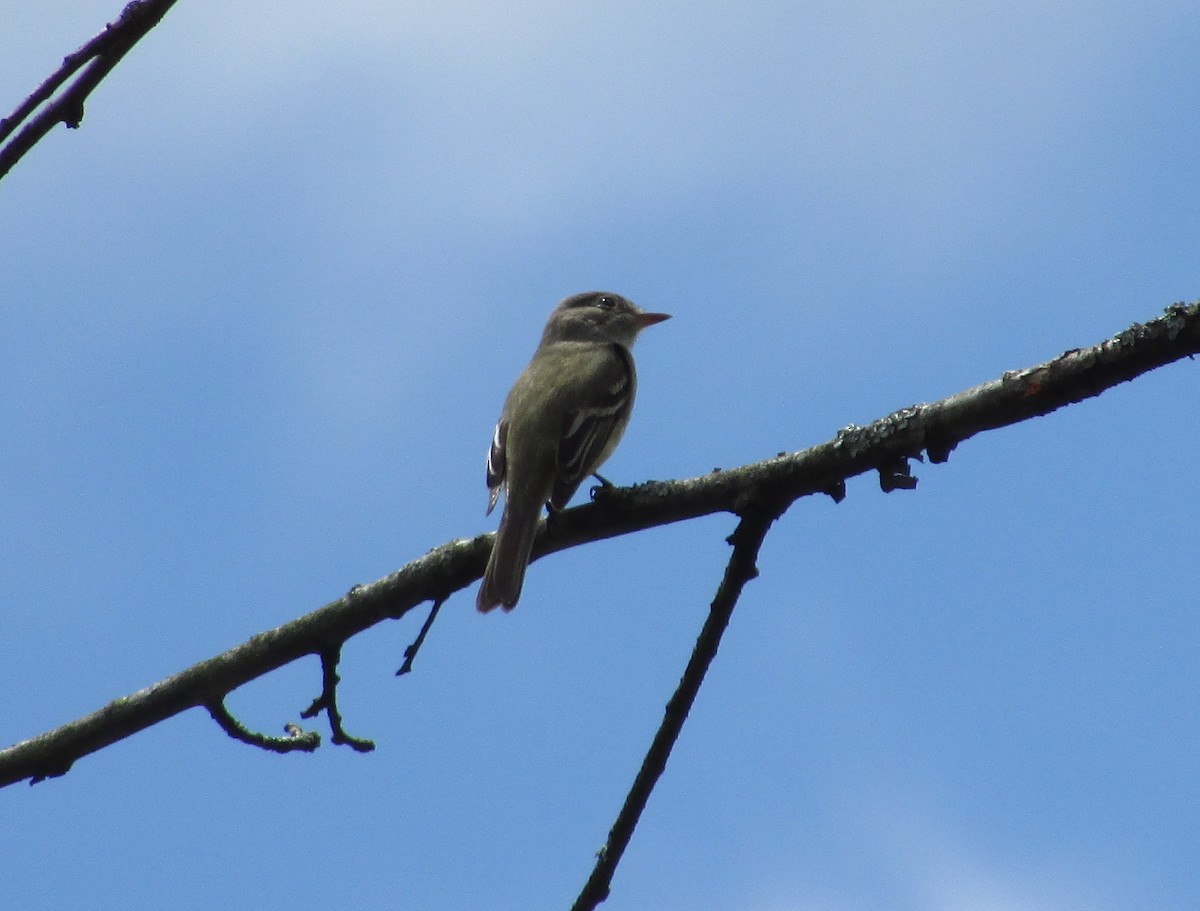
column 747, row 540
column 88, row 65
column 327, row 702
column 410, row 653
column 306, row 742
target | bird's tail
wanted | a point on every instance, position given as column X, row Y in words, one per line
column 505, row 573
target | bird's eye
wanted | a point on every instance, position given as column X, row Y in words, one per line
column 606, row 302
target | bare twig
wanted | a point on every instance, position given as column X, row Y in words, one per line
column 410, row 653
column 327, row 702
column 92, row 63
column 934, row 429
column 742, row 567
column 295, row 739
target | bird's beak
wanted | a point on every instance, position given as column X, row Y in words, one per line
column 649, row 319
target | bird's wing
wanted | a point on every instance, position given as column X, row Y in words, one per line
column 496, row 464
column 589, row 427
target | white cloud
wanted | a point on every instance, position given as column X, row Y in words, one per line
column 518, row 115
column 517, row 118
column 941, row 869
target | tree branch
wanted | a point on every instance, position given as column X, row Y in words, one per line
column 96, row 59
column 742, row 567
column 410, row 653
column 327, row 702
column 934, row 429
column 296, row 739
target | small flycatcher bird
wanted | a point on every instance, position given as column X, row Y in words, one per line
column 563, row 417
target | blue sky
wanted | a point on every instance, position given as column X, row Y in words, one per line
column 260, row 314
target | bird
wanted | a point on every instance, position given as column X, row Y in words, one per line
column 563, row 417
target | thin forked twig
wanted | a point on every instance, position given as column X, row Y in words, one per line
column 327, row 702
